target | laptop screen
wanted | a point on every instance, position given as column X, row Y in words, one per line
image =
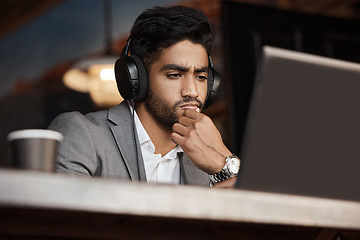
column 303, row 131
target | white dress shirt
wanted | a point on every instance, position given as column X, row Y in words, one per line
column 159, row 169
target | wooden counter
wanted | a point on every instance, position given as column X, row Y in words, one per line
column 55, row 206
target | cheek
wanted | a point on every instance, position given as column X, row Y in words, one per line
column 202, row 88
column 166, row 90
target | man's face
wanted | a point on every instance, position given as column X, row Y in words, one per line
column 178, row 81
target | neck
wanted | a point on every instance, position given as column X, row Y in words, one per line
column 158, row 133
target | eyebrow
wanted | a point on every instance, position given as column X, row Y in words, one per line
column 202, row 69
column 183, row 69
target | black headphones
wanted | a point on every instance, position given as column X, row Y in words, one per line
column 132, row 80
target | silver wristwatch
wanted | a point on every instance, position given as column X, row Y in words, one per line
column 231, row 169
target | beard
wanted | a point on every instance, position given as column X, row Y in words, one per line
column 162, row 112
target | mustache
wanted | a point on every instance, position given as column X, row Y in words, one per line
column 188, row 100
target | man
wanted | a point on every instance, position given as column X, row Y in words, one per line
column 163, row 137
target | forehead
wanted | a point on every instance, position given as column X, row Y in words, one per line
column 184, row 53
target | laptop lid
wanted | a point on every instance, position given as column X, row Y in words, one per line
column 303, row 131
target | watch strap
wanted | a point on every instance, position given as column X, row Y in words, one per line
column 224, row 174
column 220, row 176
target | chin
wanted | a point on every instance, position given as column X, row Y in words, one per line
column 180, row 112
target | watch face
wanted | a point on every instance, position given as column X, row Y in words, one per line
column 234, row 165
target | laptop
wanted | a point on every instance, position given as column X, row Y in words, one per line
column 303, row 130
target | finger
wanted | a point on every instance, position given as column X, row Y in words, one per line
column 176, row 138
column 179, row 129
column 191, row 114
column 186, row 121
column 186, row 143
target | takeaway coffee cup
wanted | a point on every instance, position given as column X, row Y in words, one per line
column 34, row 149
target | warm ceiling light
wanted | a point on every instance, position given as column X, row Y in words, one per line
column 77, row 80
column 95, row 76
column 107, row 74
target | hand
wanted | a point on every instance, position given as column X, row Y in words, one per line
column 197, row 135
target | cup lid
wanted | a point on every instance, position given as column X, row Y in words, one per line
column 35, row 133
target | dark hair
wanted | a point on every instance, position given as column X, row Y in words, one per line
column 161, row 27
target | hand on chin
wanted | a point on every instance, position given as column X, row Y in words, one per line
column 197, row 135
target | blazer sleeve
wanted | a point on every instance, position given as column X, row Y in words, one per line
column 191, row 175
column 77, row 152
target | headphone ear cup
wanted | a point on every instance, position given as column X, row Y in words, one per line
column 125, row 71
column 213, row 86
column 131, row 78
column 143, row 79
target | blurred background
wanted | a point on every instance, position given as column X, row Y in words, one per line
column 55, row 55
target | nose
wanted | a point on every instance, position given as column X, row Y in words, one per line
column 189, row 87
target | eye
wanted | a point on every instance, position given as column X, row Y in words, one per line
column 173, row 75
column 201, row 78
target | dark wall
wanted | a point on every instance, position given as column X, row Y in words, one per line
column 246, row 28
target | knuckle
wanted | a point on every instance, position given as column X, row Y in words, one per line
column 197, row 124
column 192, row 134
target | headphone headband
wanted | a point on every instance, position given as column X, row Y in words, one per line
column 126, row 49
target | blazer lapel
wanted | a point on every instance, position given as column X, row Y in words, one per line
column 127, row 141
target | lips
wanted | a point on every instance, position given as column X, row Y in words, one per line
column 193, row 106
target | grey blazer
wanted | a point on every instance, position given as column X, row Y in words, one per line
column 102, row 144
